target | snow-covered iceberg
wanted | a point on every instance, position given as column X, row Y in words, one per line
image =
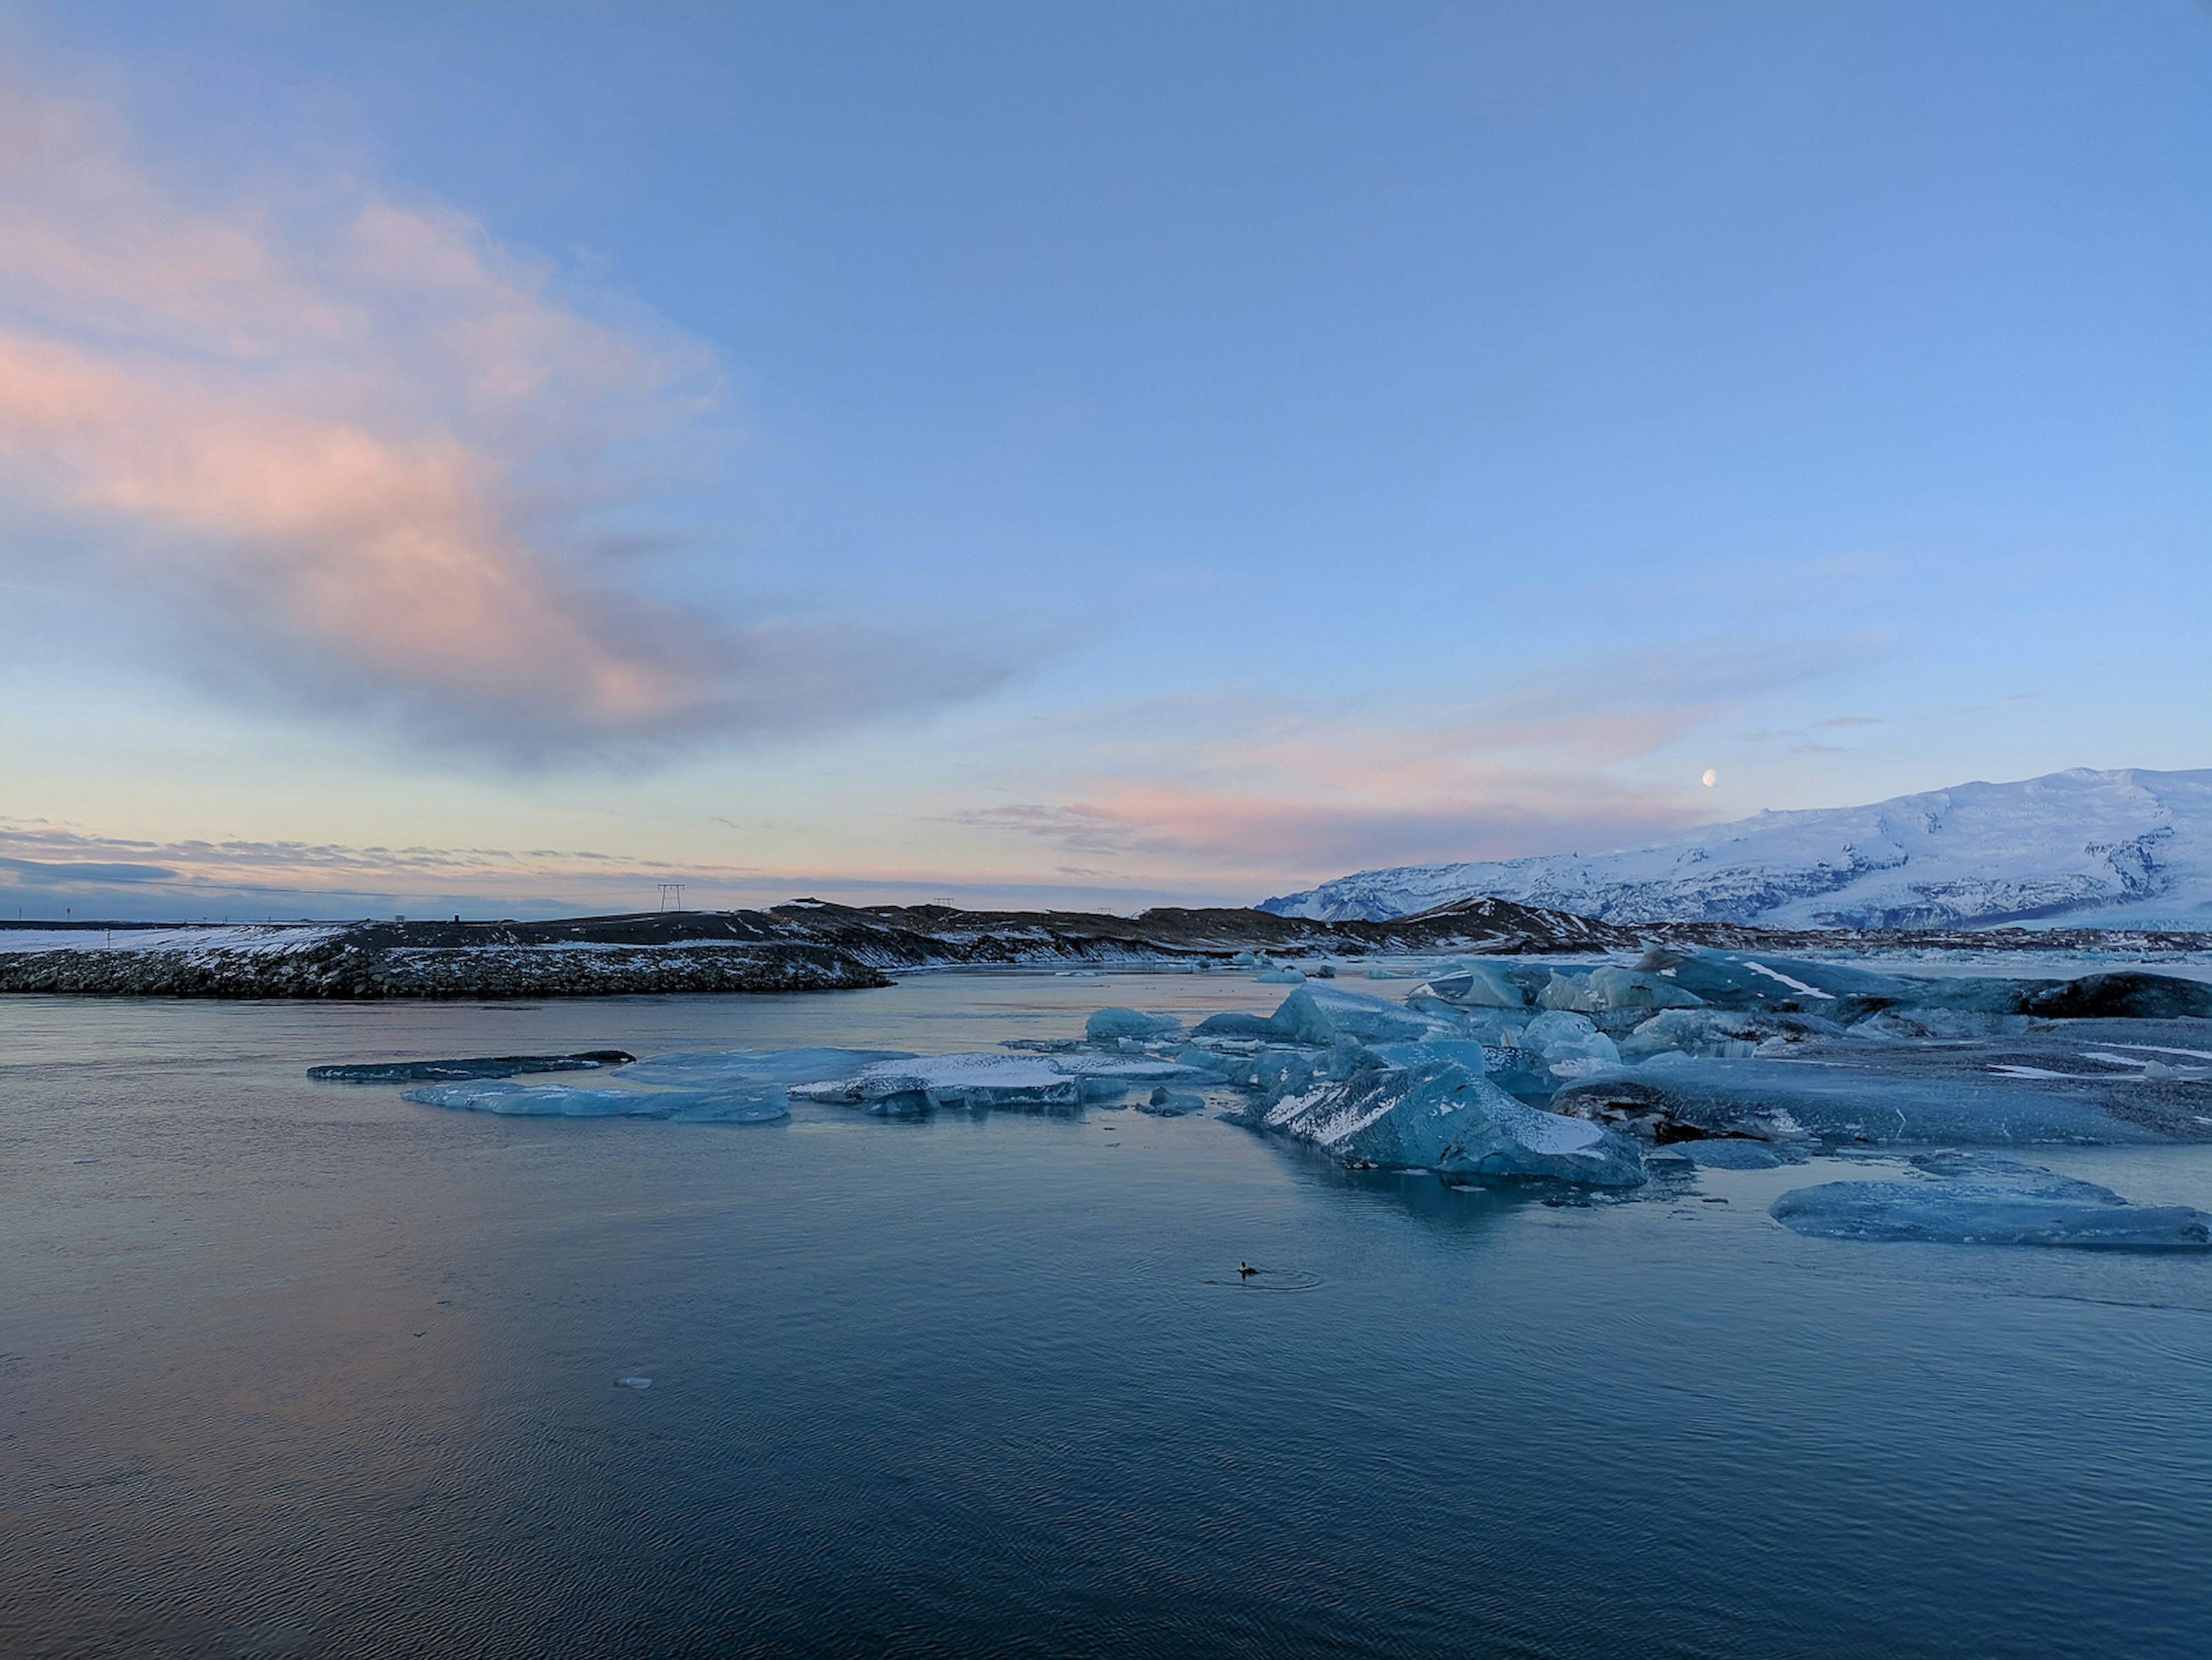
column 1978, row 1198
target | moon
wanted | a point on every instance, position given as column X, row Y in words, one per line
column 1712, row 777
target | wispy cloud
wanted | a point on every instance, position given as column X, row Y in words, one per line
column 1269, row 789
column 361, row 444
column 39, row 860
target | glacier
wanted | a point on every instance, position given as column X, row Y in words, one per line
column 2120, row 848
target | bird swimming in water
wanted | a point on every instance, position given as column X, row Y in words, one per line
column 1245, row 1270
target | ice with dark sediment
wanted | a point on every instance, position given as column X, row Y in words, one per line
column 1165, row 1103
column 481, row 1066
column 1979, row 1198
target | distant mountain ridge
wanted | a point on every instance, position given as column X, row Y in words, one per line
column 2122, row 849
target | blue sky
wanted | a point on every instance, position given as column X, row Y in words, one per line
column 499, row 457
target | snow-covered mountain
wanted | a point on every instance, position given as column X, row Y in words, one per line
column 2119, row 849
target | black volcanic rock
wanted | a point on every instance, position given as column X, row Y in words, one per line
column 2126, row 995
column 488, row 1066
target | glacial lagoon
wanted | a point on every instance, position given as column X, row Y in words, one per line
column 302, row 1368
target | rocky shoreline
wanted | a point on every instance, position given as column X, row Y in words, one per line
column 810, row 946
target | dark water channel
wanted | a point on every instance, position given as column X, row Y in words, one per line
column 296, row 1369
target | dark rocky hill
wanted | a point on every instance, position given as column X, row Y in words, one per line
column 810, row 945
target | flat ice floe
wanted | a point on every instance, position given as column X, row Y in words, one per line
column 738, row 1086
column 516, row 1100
column 1981, row 1198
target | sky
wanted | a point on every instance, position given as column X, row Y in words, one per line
column 495, row 459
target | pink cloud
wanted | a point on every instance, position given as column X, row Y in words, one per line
column 357, row 442
column 1267, row 792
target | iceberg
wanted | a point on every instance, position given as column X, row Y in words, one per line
column 1109, row 1023
column 1441, row 1116
column 1321, row 1014
column 1968, row 1198
column 1165, row 1103
column 977, row 1082
column 945, row 1081
column 1480, row 985
column 1745, row 979
column 1570, row 1045
column 1729, row 1154
column 1720, row 1032
column 1602, row 991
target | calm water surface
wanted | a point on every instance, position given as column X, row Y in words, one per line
column 294, row 1369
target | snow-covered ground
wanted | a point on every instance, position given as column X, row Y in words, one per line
column 2114, row 849
column 241, row 936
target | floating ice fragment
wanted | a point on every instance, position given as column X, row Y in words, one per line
column 978, row 1081
column 1105, row 1023
column 1559, row 1036
column 1165, row 1103
column 1480, row 984
column 763, row 1066
column 1773, row 1099
column 1963, row 1198
column 758, row 1104
column 1729, row 1154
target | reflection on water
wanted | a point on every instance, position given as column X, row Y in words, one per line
column 300, row 1369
